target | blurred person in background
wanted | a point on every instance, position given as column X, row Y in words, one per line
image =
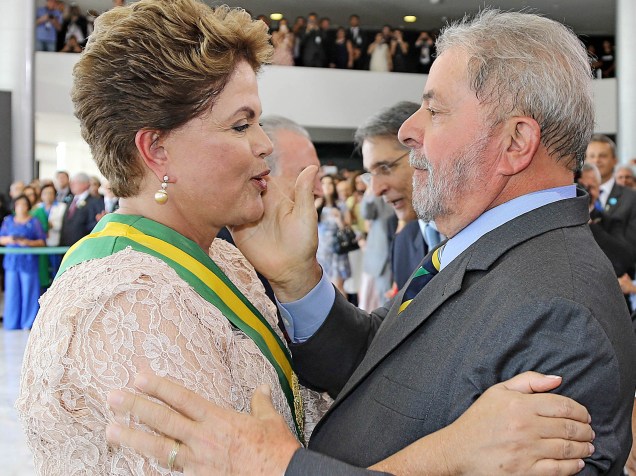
column 379, row 54
column 330, row 220
column 54, row 211
column 63, row 186
column 38, row 212
column 283, row 41
column 625, row 176
column 47, row 23
column 399, row 52
column 22, row 282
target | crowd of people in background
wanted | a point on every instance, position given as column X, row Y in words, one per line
column 59, row 212
column 63, row 27
column 45, row 213
column 311, row 41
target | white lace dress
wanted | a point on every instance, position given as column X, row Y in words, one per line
column 105, row 320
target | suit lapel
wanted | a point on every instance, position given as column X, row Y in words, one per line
column 613, row 200
column 396, row 328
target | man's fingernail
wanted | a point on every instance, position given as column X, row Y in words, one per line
column 591, row 448
column 116, row 398
column 554, row 376
column 593, row 435
column 141, row 381
column 113, row 432
column 581, row 464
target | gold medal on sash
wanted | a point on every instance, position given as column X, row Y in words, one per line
column 298, row 406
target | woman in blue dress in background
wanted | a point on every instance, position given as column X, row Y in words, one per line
column 22, row 282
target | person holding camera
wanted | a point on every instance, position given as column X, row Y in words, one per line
column 380, row 54
column 399, row 52
column 48, row 21
column 426, row 47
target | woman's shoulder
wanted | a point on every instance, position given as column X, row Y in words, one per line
column 241, row 272
column 117, row 272
column 232, row 262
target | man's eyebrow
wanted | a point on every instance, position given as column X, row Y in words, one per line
column 428, row 95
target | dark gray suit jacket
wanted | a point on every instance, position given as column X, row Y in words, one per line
column 620, row 214
column 82, row 222
column 536, row 293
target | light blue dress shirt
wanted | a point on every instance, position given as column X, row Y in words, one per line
column 304, row 317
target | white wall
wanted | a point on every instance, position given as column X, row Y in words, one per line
column 17, row 20
column 331, row 103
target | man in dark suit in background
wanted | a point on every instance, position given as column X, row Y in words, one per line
column 81, row 215
column 617, row 203
column 358, row 41
column 62, row 184
column 615, row 247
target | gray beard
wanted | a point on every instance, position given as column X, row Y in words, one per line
column 434, row 198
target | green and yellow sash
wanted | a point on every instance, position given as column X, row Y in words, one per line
column 116, row 232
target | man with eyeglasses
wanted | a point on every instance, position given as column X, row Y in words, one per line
column 390, row 176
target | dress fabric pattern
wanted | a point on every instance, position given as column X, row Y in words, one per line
column 136, row 314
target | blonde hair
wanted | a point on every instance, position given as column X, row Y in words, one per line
column 156, row 64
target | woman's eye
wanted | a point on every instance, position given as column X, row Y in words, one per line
column 242, row 128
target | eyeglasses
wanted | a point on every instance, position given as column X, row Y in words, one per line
column 384, row 169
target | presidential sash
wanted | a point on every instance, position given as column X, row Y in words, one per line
column 116, row 232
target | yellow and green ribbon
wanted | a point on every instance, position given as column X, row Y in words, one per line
column 116, row 232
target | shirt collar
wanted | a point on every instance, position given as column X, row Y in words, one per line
column 606, row 189
column 81, row 196
column 495, row 217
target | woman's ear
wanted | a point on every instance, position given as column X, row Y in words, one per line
column 148, row 142
column 523, row 141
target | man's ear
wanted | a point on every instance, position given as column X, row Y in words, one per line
column 523, row 138
column 153, row 154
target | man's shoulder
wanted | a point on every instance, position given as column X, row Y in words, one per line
column 620, row 191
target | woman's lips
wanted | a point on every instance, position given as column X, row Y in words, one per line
column 260, row 182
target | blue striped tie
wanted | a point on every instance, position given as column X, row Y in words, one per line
column 421, row 277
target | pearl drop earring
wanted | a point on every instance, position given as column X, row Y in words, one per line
column 161, row 196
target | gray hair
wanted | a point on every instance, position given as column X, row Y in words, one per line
column 625, row 167
column 605, row 140
column 81, row 177
column 524, row 64
column 385, row 123
column 271, row 125
column 587, row 167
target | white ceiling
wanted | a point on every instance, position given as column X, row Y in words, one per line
column 591, row 17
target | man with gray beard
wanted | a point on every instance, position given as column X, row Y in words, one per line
column 520, row 284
